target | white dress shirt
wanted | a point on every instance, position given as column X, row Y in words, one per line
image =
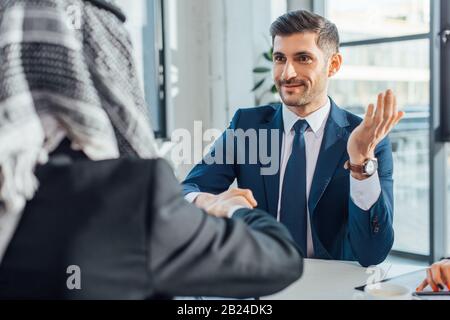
column 364, row 193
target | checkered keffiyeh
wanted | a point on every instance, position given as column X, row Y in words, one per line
column 70, row 61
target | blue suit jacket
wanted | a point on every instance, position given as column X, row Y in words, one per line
column 340, row 229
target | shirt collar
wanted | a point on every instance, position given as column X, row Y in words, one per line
column 316, row 120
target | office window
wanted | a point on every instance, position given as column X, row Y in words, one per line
column 383, row 58
column 368, row 19
column 145, row 25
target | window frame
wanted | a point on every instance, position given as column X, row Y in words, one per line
column 438, row 156
column 156, row 39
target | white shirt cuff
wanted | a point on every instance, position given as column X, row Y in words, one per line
column 365, row 193
column 190, row 197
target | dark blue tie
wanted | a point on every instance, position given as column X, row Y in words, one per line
column 293, row 197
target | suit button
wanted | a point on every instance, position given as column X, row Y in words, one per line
column 376, row 229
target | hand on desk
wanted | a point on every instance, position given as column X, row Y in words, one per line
column 438, row 277
column 220, row 205
column 375, row 127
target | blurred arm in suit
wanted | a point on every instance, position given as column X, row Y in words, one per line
column 127, row 227
column 196, row 254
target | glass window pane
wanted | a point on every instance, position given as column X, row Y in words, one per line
column 369, row 19
column 141, row 26
column 369, row 70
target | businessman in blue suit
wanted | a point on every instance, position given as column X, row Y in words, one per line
column 332, row 184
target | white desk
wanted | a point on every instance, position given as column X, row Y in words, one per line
column 335, row 280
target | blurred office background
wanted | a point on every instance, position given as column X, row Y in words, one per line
column 200, row 59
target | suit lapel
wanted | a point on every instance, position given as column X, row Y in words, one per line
column 334, row 144
column 272, row 182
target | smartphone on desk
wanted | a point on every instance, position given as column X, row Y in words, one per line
column 431, row 295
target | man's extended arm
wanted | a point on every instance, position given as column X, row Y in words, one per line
column 194, row 254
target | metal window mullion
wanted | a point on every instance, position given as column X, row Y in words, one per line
column 154, row 81
column 410, row 256
column 438, row 155
column 386, row 40
column 163, row 82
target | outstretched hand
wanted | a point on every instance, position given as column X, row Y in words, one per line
column 376, row 125
column 219, row 205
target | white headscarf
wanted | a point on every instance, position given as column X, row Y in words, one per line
column 65, row 66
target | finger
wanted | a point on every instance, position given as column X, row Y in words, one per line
column 436, row 274
column 400, row 116
column 227, row 194
column 246, row 193
column 242, row 201
column 422, row 286
column 368, row 119
column 231, row 193
column 431, row 281
column 388, row 106
column 388, row 103
column 445, row 272
column 378, row 118
column 393, row 116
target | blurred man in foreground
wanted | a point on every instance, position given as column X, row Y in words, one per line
column 82, row 214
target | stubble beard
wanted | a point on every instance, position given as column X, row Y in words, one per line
column 309, row 95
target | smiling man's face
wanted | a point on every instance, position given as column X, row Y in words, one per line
column 301, row 69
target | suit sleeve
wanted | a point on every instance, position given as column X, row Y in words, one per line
column 216, row 172
column 371, row 232
column 194, row 254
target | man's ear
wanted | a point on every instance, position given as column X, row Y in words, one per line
column 335, row 64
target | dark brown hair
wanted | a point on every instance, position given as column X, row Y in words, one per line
column 304, row 21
